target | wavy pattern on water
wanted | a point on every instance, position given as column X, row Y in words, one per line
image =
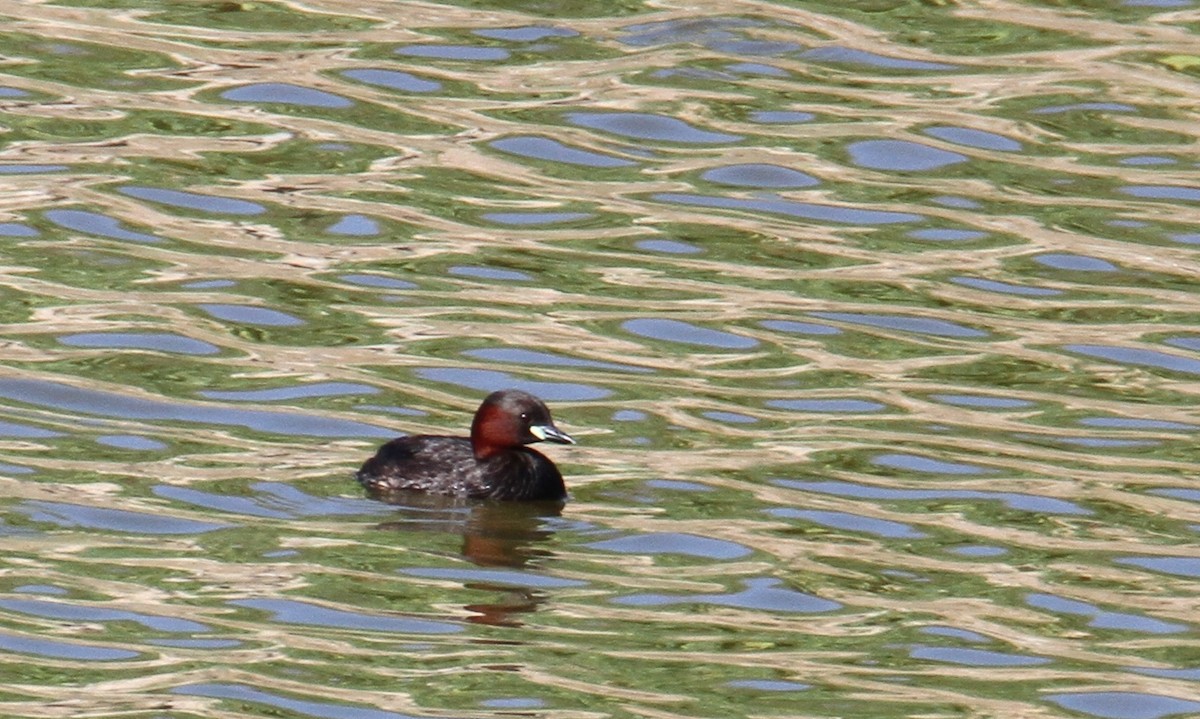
column 878, row 327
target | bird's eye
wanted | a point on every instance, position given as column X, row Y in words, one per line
column 524, row 416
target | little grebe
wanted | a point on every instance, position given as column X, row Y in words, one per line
column 494, row 463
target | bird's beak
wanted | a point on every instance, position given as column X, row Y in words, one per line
column 550, row 433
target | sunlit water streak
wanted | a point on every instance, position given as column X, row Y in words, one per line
column 877, row 327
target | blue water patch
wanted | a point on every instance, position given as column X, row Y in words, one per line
column 197, row 643
column 134, row 442
column 761, row 594
column 1144, row 160
column 1181, row 566
column 901, row 155
column 759, row 175
column 17, row 229
column 768, row 685
column 974, row 138
column 630, row 415
column 193, row 200
column 87, row 613
column 63, row 649
column 850, row 56
column 1076, row 263
column 491, row 380
column 527, row 33
column 964, row 203
column 979, row 550
column 781, row 117
column 790, row 208
column 470, row 53
column 1101, row 441
column 489, row 273
column 93, row 223
column 677, row 485
column 669, row 247
column 25, row 431
column 1084, row 107
column 741, row 46
column 354, row 226
column 65, row 48
column 697, row 29
column 392, row 409
column 208, row 284
column 542, row 148
column 687, row 333
column 1187, row 342
column 801, row 328
column 1190, row 495
column 110, row 404
column 832, row 404
column 1185, row 674
column 252, row 507
column 1102, row 619
column 1139, row 357
column 904, row 323
column 1133, row 423
column 48, row 589
column 513, row 703
column 849, row 522
column 646, row 126
column 304, row 391
column 282, row 93
column 729, row 417
column 517, row 355
column 982, row 401
column 158, row 341
column 1014, row 500
column 505, row 577
column 288, row 611
column 534, row 219
column 1005, row 287
column 274, row 500
column 114, row 520
column 929, row 465
column 393, row 80
column 975, row 657
column 321, row 710
column 6, row 91
column 1123, row 705
column 250, row 315
column 946, row 234
column 673, row 543
column 383, row 283
column 30, row 169
column 757, row 68
column 1163, row 192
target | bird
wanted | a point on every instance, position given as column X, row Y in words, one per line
column 495, row 462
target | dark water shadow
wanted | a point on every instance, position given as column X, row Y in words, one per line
column 506, row 540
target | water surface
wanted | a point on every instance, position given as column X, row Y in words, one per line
column 876, row 324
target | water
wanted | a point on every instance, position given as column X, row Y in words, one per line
column 876, row 324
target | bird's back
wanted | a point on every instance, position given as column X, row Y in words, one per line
column 424, row 463
column 447, row 465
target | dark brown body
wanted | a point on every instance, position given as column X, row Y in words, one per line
column 447, row 465
column 493, row 463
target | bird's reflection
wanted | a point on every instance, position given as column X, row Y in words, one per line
column 494, row 534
